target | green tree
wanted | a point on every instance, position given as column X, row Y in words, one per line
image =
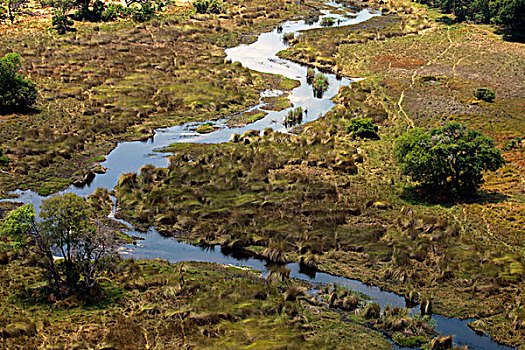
column 16, row 92
column 363, row 128
column 209, row 6
column 67, row 228
column 62, row 23
column 12, row 8
column 65, row 221
column 21, row 229
column 510, row 14
column 449, row 159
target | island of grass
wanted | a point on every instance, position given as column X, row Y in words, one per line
column 246, row 118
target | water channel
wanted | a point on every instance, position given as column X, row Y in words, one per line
column 259, row 56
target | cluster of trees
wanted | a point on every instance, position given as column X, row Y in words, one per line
column 209, row 6
column 98, row 11
column 68, row 228
column 449, row 159
column 16, row 91
column 509, row 14
column 87, row 10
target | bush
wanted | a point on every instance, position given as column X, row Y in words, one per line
column 310, row 75
column 145, row 13
column 320, row 84
column 485, row 94
column 510, row 14
column 450, row 159
column 16, row 92
column 209, row 6
column 363, row 128
column 91, row 15
column 114, row 11
column 4, row 160
column 62, row 23
column 294, row 116
column 327, row 22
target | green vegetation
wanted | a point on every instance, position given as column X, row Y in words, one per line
column 61, row 23
column 107, row 83
column 66, row 227
column 11, row 8
column 363, row 128
column 320, row 84
column 154, row 303
column 288, row 36
column 510, row 14
column 246, row 118
column 278, row 103
column 327, row 22
column 206, row 128
column 294, row 116
column 17, row 93
column 450, row 159
column 485, row 94
column 310, row 75
column 209, row 6
column 4, row 160
column 145, row 13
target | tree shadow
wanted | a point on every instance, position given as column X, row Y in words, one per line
column 22, row 111
column 446, row 20
column 422, row 196
column 511, row 37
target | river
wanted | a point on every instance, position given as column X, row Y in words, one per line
column 260, row 56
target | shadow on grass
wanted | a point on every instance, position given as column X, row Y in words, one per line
column 446, row 20
column 23, row 111
column 421, row 196
column 511, row 37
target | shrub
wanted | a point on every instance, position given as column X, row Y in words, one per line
column 114, row 11
column 4, row 160
column 288, row 36
column 145, row 13
column 363, row 128
column 509, row 14
column 16, row 92
column 294, row 116
column 310, row 75
column 93, row 14
column 320, row 84
column 209, row 6
column 449, row 159
column 485, row 94
column 327, row 22
column 62, row 23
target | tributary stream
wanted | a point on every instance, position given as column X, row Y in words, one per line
column 259, row 56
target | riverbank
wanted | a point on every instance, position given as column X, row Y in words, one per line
column 299, row 198
column 159, row 305
column 372, row 226
column 118, row 81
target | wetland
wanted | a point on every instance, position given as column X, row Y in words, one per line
column 263, row 218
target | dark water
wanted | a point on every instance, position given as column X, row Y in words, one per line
column 259, row 56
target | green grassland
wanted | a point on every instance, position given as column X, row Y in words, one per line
column 119, row 81
column 284, row 198
column 154, row 304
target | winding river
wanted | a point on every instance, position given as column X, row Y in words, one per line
column 259, row 56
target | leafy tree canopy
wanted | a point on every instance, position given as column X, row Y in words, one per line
column 449, row 159
column 16, row 92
